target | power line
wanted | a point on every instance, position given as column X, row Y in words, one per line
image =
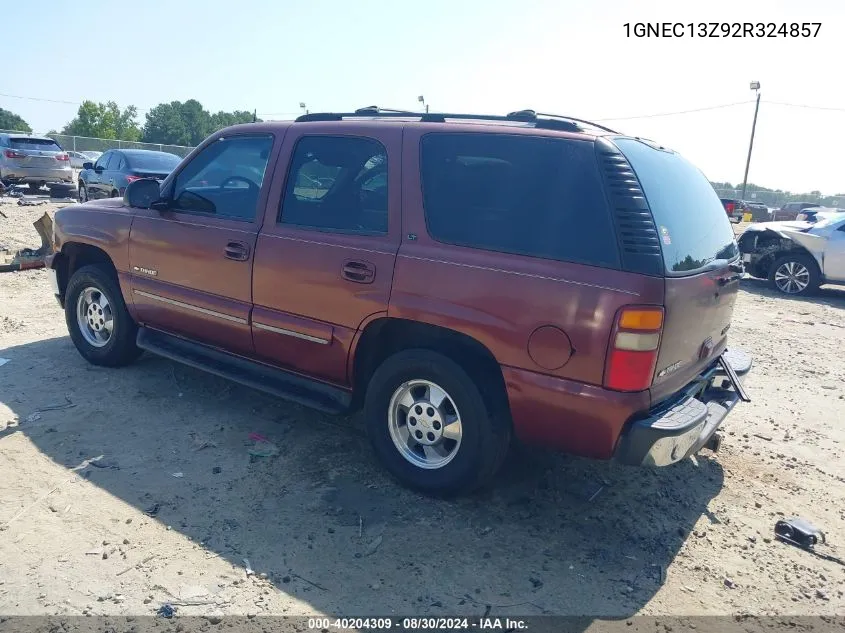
column 808, row 107
column 651, row 116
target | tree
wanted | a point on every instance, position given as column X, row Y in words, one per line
column 187, row 123
column 12, row 122
column 104, row 120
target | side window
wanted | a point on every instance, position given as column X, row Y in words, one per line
column 224, row 179
column 337, row 183
column 117, row 162
column 541, row 197
column 103, row 161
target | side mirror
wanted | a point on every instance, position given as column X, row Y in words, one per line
column 142, row 193
column 87, row 165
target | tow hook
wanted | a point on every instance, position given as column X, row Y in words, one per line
column 714, row 443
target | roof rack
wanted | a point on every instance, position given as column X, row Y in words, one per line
column 539, row 119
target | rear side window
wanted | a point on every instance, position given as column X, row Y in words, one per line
column 116, row 163
column 692, row 225
column 160, row 161
column 337, row 184
column 540, row 197
column 41, row 144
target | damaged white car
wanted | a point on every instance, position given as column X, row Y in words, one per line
column 797, row 257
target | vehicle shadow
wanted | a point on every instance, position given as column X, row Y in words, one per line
column 833, row 296
column 553, row 535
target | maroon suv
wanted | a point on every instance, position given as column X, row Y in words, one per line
column 463, row 278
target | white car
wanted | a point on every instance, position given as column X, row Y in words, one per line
column 797, row 257
column 77, row 159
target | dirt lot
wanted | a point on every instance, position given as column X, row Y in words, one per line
column 88, row 454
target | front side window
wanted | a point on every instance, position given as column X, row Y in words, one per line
column 103, row 161
column 116, row 163
column 337, row 183
column 541, row 197
column 225, row 178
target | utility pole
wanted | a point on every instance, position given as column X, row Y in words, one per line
column 254, row 116
column 421, row 99
column 755, row 85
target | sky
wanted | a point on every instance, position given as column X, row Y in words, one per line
column 490, row 56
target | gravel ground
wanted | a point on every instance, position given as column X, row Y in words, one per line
column 125, row 489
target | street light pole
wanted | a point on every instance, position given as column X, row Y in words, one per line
column 755, row 85
column 421, row 99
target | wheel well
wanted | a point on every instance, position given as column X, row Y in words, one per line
column 384, row 337
column 74, row 256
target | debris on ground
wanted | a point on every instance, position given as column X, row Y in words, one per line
column 166, row 611
column 248, row 567
column 29, row 258
column 3, row 361
column 800, row 532
column 262, row 447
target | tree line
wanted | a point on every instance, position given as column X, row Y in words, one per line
column 174, row 123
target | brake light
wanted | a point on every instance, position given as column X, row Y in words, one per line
column 633, row 350
column 133, row 178
column 729, row 207
column 10, row 153
column 62, row 157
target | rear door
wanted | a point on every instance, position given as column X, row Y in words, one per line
column 191, row 264
column 325, row 256
column 701, row 263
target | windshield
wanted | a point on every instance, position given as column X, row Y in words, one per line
column 43, row 144
column 154, row 161
column 693, row 227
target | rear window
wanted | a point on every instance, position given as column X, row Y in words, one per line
column 691, row 221
column 541, row 197
column 163, row 161
column 42, row 144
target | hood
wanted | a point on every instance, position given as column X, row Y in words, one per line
column 787, row 225
column 798, row 232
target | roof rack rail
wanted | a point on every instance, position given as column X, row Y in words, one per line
column 539, row 119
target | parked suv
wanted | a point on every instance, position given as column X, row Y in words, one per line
column 35, row 161
column 438, row 271
column 790, row 210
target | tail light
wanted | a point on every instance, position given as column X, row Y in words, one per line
column 633, row 350
column 62, row 157
column 729, row 207
column 10, row 153
column 133, row 178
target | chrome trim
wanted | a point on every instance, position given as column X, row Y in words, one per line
column 188, row 306
column 519, row 274
column 279, row 330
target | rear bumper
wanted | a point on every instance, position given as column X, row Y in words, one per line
column 38, row 174
column 673, row 431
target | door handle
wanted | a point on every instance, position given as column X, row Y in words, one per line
column 358, row 271
column 237, row 251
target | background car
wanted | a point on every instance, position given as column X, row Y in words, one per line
column 108, row 177
column 92, row 154
column 78, row 159
column 759, row 211
column 797, row 257
column 790, row 210
column 735, row 209
column 816, row 214
column 35, row 161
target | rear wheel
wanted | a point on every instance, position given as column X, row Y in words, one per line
column 795, row 274
column 97, row 319
column 83, row 192
column 432, row 426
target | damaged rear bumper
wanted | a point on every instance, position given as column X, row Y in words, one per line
column 673, row 431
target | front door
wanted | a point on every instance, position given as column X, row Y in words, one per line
column 191, row 264
column 96, row 175
column 325, row 256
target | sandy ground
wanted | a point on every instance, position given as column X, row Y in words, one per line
column 122, row 490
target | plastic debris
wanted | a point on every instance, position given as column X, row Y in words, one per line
column 178, row 475
column 262, row 447
column 166, row 611
column 248, row 567
column 3, row 361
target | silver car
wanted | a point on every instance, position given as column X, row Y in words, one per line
column 78, row 159
column 33, row 160
column 797, row 257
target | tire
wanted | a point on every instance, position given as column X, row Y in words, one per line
column 114, row 348
column 484, row 432
column 795, row 274
column 115, row 193
column 83, row 192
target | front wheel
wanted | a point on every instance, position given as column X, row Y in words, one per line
column 432, row 426
column 795, row 274
column 83, row 192
column 97, row 319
